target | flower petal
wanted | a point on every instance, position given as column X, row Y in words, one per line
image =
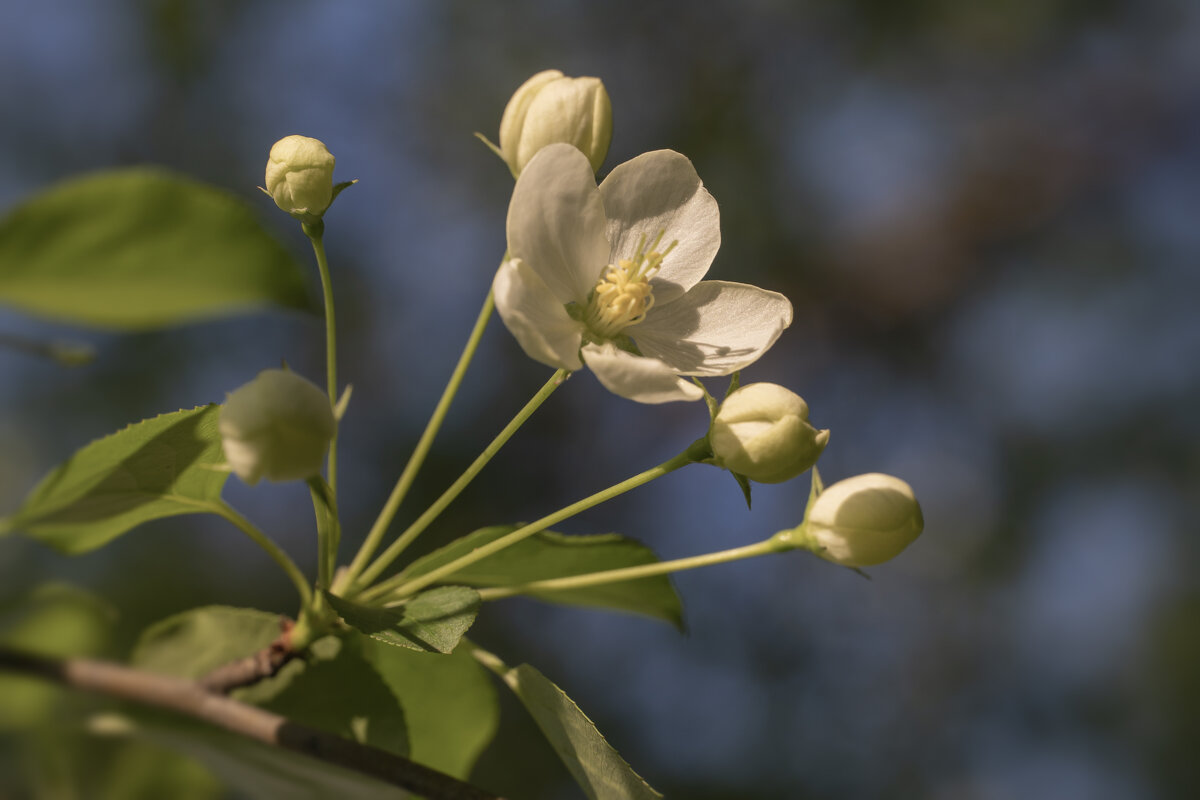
column 646, row 380
column 535, row 317
column 556, row 222
column 715, row 329
column 660, row 191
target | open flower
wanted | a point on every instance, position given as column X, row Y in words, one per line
column 610, row 276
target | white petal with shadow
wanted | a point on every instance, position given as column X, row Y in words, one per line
column 646, row 380
column 535, row 317
column 660, row 191
column 556, row 222
column 715, row 329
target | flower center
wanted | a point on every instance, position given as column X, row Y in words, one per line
column 622, row 295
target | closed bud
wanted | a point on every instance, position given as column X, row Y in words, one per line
column 762, row 431
column 300, row 177
column 277, row 427
column 550, row 108
column 864, row 520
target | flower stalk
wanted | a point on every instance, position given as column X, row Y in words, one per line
column 766, row 547
column 398, row 588
column 372, row 573
column 417, row 459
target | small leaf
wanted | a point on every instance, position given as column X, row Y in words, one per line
column 593, row 763
column 449, row 703
column 432, row 621
column 140, row 248
column 161, row 467
column 345, row 695
column 195, row 642
column 552, row 555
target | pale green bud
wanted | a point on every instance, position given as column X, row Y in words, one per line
column 864, row 520
column 277, row 427
column 550, row 108
column 300, row 177
column 762, row 431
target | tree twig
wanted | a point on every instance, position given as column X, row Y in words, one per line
column 253, row 668
column 190, row 698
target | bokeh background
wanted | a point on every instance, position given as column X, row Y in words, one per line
column 987, row 216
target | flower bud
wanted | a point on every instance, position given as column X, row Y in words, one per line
column 277, row 426
column 762, row 431
column 300, row 177
column 549, row 108
column 864, row 520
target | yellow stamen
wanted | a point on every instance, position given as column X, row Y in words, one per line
column 622, row 295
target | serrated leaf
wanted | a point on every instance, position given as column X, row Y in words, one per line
column 161, row 467
column 140, row 248
column 593, row 763
column 449, row 704
column 551, row 555
column 432, row 621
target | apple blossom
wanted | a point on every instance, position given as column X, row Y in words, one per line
column 610, row 276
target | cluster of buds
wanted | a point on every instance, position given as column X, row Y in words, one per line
column 279, row 425
column 761, row 431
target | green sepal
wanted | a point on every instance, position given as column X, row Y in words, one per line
column 490, row 146
column 709, row 400
column 735, row 381
column 743, row 482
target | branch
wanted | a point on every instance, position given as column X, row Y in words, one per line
column 191, row 699
column 253, row 668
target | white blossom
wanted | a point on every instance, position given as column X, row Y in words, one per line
column 610, row 277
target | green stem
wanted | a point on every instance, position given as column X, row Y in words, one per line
column 763, row 548
column 329, row 534
column 400, row 588
column 417, row 459
column 273, row 550
column 422, row 522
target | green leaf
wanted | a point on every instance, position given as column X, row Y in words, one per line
column 168, row 465
column 344, row 694
column 551, row 555
column 593, row 763
column 54, row 619
column 334, row 687
column 252, row 768
column 144, row 771
column 449, row 703
column 432, row 621
column 195, row 642
column 140, row 248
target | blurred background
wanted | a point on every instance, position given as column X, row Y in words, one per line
column 986, row 215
